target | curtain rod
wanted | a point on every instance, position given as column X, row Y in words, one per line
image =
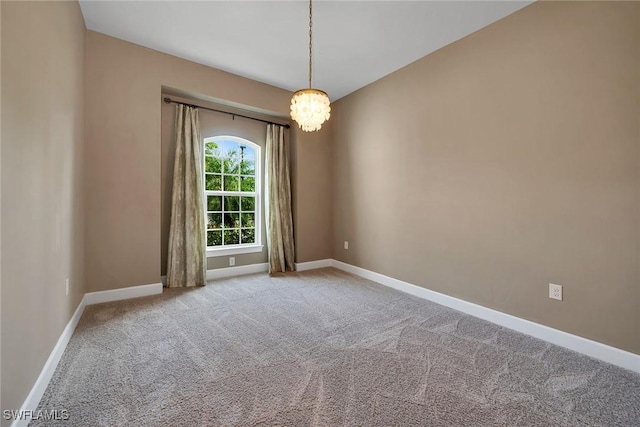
column 170, row 101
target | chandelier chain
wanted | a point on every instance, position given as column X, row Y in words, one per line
column 310, row 42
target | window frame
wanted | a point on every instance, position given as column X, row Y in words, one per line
column 242, row 248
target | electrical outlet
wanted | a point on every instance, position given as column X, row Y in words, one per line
column 346, row 244
column 555, row 291
column 232, row 261
column 66, row 287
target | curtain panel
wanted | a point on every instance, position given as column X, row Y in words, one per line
column 186, row 263
column 278, row 202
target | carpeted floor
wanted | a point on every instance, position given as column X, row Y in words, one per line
column 322, row 348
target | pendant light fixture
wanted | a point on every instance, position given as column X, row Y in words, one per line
column 310, row 107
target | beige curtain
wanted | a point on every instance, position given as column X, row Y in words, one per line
column 186, row 264
column 278, row 201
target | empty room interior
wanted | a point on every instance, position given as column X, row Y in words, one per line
column 327, row 213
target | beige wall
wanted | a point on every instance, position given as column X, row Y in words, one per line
column 124, row 155
column 42, row 197
column 311, row 185
column 503, row 162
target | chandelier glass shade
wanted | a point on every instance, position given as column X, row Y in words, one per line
column 310, row 108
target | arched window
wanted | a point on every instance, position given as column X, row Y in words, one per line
column 232, row 195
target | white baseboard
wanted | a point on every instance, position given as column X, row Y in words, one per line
column 219, row 273
column 124, row 293
column 38, row 389
column 597, row 350
column 33, row 399
column 312, row 265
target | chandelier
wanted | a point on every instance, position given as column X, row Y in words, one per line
column 310, row 107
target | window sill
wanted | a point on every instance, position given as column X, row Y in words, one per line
column 233, row 250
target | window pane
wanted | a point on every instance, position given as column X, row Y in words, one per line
column 212, row 165
column 231, row 165
column 231, row 203
column 248, row 203
column 230, row 183
column 214, row 238
column 248, row 220
column 248, row 235
column 212, row 149
column 214, row 220
column 247, row 153
column 247, row 167
column 214, row 203
column 248, row 184
column 213, row 182
column 231, row 237
column 231, row 157
column 231, row 220
column 230, row 147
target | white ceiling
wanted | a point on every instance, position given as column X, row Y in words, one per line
column 354, row 42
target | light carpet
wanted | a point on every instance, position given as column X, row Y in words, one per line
column 321, row 348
